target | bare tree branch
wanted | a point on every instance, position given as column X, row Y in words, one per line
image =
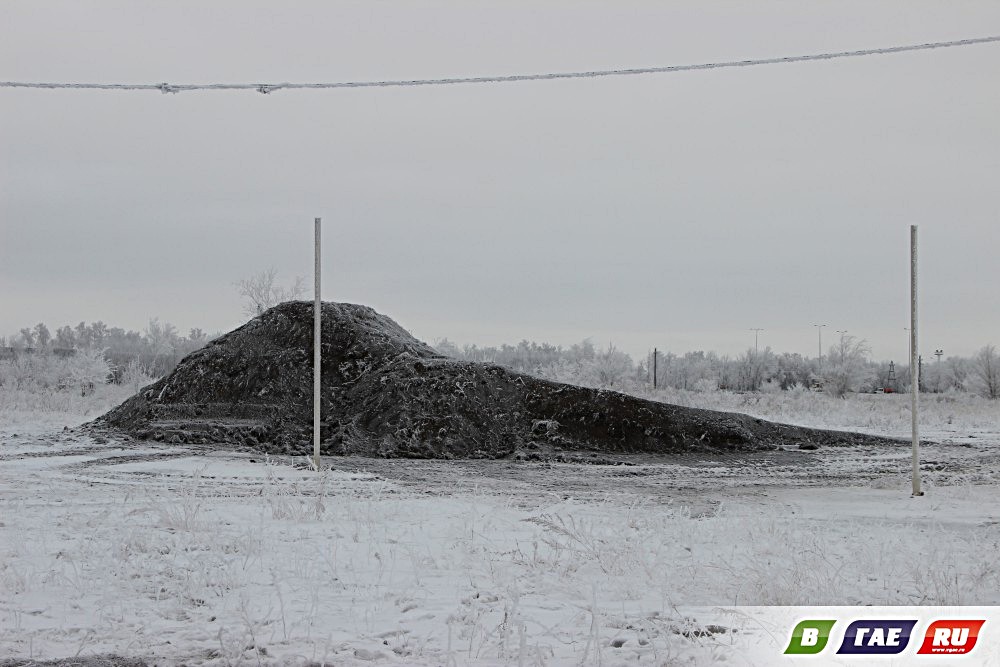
column 259, row 291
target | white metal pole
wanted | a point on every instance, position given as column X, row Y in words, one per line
column 317, row 329
column 914, row 366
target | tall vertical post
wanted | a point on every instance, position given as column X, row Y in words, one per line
column 654, row 367
column 937, row 371
column 317, row 330
column 914, row 366
column 819, row 347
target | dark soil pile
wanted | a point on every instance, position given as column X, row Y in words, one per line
column 387, row 394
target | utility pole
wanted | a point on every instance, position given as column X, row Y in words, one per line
column 937, row 383
column 756, row 333
column 819, row 330
column 654, row 367
column 317, row 342
column 914, row 366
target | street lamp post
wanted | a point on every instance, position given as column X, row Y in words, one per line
column 819, row 330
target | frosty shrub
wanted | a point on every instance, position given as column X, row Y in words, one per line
column 86, row 370
column 43, row 386
column 706, row 384
column 135, row 375
column 609, row 369
column 44, row 372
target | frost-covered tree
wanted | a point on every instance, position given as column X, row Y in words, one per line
column 260, row 292
column 846, row 367
column 794, row 370
column 984, row 373
column 612, row 367
column 447, row 348
column 693, row 370
column 754, row 367
column 42, row 335
column 26, row 337
column 727, row 372
column 99, row 333
column 163, row 338
column 956, row 373
column 65, row 338
column 86, row 370
column 83, row 336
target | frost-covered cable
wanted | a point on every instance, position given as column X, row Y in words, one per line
column 510, row 78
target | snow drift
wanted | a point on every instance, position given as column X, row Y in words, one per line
column 384, row 393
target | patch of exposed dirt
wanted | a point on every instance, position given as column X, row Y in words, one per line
column 386, row 394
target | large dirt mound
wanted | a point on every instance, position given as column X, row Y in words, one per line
column 387, row 394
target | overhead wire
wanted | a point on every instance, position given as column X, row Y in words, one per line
column 508, row 78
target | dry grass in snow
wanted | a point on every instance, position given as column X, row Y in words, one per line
column 208, row 558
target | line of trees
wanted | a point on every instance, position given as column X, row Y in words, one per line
column 846, row 368
column 156, row 350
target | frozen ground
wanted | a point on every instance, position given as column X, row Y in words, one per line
column 188, row 555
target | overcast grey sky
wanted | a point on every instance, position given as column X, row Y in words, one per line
column 675, row 210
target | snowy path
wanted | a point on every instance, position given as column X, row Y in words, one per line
column 182, row 554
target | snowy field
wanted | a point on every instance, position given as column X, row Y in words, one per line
column 176, row 554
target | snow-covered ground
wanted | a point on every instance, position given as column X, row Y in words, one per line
column 190, row 555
